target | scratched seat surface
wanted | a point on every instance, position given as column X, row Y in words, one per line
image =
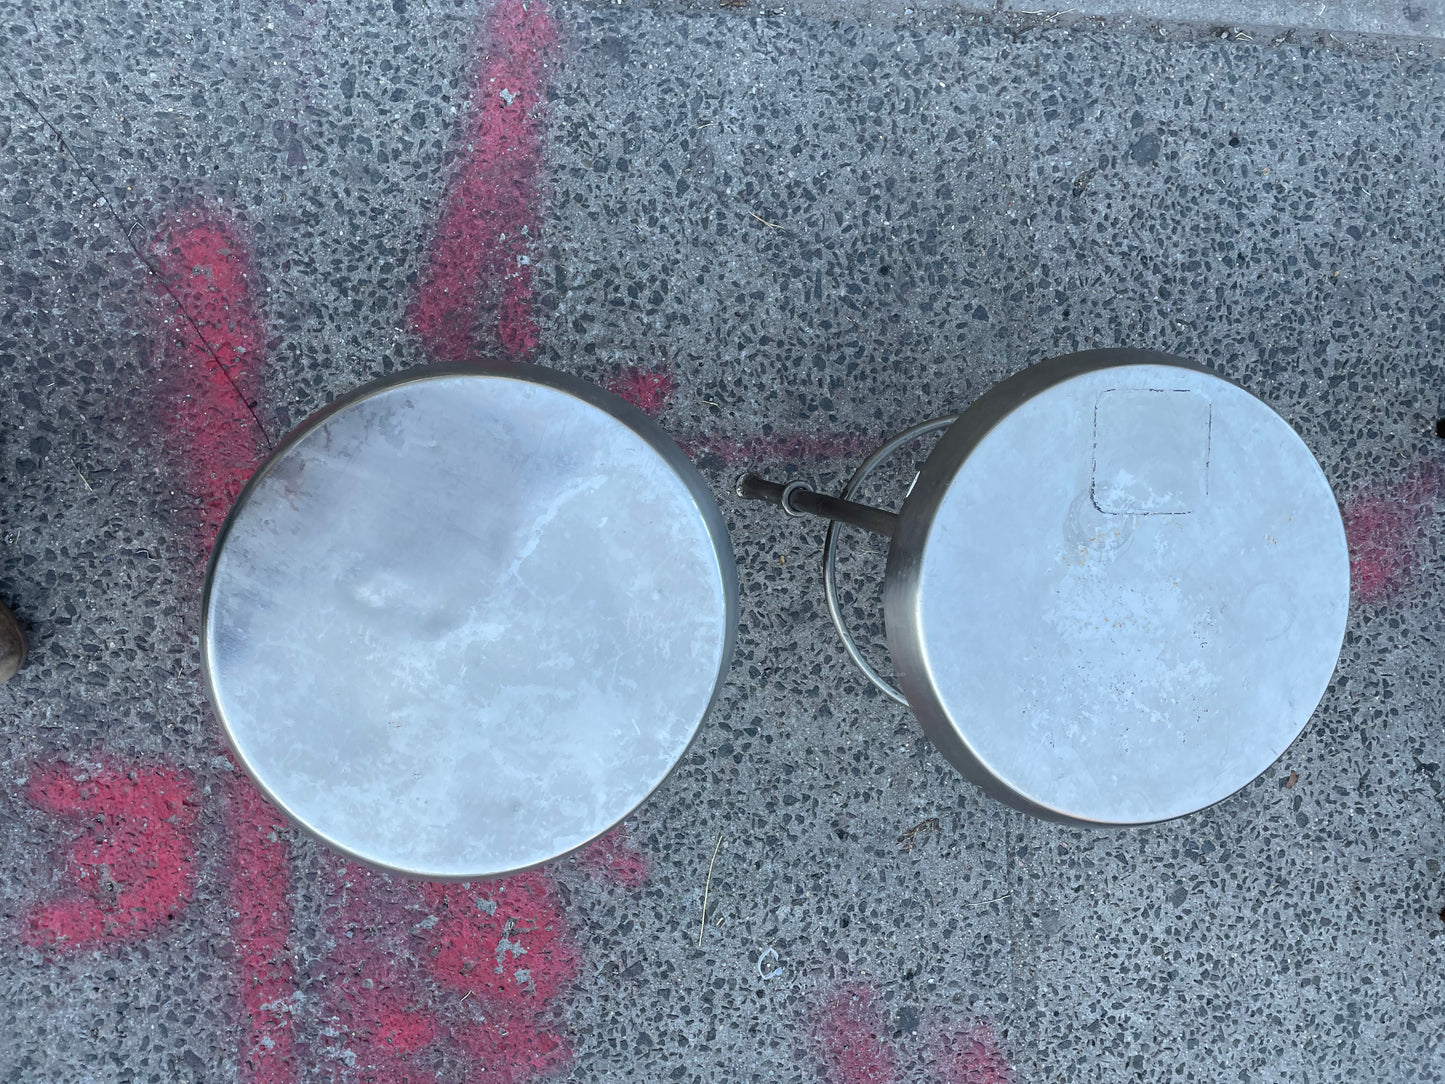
column 786, row 237
column 465, row 622
column 1129, row 594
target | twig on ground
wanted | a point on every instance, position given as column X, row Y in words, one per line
column 706, row 888
column 910, row 837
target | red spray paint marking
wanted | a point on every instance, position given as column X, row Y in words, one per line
column 206, row 326
column 745, row 451
column 615, row 858
column 647, row 389
column 970, row 1056
column 506, row 943
column 477, row 288
column 1383, row 527
column 847, row 1033
column 131, row 862
column 495, row 953
column 390, row 1024
column 514, row 1050
column 377, row 1003
column 650, row 390
column 502, row 941
column 260, row 871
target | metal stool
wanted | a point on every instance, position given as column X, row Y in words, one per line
column 466, row 619
column 1116, row 591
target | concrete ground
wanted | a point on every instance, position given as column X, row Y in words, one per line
column 787, row 237
column 1232, row 19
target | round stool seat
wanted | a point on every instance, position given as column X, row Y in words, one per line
column 465, row 620
column 1118, row 589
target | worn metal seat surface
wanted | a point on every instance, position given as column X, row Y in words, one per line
column 466, row 620
column 1118, row 589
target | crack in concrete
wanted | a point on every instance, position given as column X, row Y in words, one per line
column 140, row 255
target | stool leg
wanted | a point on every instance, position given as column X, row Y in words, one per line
column 797, row 499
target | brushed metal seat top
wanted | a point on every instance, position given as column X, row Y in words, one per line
column 466, row 620
column 1119, row 589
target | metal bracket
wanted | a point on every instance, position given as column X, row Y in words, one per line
column 830, row 550
column 796, row 499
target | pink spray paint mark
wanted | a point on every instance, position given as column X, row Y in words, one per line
column 779, row 447
column 206, row 327
column 494, row 960
column 505, row 944
column 504, row 941
column 377, row 1002
column 649, row 390
column 211, row 343
column 615, row 858
column 131, row 862
column 260, row 868
column 477, row 289
column 848, row 1030
column 1383, row 528
column 970, row 1055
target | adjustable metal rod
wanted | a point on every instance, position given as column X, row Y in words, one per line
column 796, row 499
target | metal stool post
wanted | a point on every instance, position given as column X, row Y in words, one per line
column 795, row 499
